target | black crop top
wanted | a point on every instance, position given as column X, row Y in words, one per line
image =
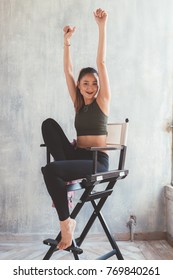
column 90, row 120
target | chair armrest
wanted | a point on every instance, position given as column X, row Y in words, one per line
column 105, row 148
column 47, row 152
column 42, row 145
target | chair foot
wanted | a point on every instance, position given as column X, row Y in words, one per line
column 54, row 243
column 73, row 249
column 50, row 242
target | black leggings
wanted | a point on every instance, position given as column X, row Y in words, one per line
column 70, row 163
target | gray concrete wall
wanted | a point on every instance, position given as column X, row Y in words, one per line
column 32, row 88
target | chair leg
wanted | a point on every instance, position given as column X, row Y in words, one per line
column 96, row 213
column 108, row 233
column 50, row 252
column 53, row 246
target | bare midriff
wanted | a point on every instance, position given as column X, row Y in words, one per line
column 91, row 141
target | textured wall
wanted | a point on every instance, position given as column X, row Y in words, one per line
column 32, row 88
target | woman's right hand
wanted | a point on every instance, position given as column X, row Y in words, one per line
column 100, row 16
column 68, row 32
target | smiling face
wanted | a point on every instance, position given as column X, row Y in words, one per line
column 88, row 86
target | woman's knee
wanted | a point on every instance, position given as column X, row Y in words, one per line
column 50, row 125
column 47, row 123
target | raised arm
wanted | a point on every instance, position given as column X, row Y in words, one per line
column 68, row 68
column 104, row 93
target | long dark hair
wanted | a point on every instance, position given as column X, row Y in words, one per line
column 79, row 102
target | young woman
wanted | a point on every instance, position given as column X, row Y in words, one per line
column 91, row 98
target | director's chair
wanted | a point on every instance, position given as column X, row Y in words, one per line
column 116, row 141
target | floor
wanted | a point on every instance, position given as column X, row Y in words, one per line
column 135, row 250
